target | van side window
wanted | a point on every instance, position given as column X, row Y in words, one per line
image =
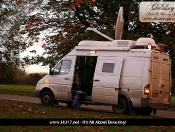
column 108, row 67
column 62, row 68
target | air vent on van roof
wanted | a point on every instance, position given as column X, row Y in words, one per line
column 122, row 43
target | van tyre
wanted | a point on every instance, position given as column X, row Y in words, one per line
column 47, row 98
column 122, row 106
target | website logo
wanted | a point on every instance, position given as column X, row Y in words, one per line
column 157, row 11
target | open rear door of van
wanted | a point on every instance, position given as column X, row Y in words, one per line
column 160, row 81
column 106, row 80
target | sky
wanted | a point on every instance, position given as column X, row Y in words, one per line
column 39, row 50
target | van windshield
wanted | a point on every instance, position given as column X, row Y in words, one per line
column 63, row 67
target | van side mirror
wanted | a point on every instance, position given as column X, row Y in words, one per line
column 50, row 69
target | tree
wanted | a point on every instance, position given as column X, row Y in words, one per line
column 14, row 40
column 64, row 23
column 7, row 74
column 15, row 43
column 68, row 21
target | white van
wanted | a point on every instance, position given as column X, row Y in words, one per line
column 132, row 76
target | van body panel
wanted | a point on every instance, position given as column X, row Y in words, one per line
column 61, row 83
column 133, row 95
column 133, row 83
column 132, row 78
column 104, row 88
column 147, row 73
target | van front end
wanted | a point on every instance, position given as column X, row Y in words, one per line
column 42, row 83
column 45, row 92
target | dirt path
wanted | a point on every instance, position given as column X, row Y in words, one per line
column 162, row 113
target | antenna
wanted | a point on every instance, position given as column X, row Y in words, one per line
column 119, row 25
column 98, row 32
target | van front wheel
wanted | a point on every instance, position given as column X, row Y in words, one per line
column 47, row 98
column 121, row 108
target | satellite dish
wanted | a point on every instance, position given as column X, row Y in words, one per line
column 119, row 25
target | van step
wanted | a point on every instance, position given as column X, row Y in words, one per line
column 87, row 98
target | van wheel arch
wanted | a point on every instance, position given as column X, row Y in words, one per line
column 47, row 97
column 122, row 107
column 45, row 89
column 129, row 102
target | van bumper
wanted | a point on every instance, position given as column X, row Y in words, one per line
column 159, row 106
column 37, row 93
column 145, row 103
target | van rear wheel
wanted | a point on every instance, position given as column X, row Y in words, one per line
column 122, row 106
column 47, row 98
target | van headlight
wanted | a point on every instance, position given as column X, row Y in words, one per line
column 46, row 81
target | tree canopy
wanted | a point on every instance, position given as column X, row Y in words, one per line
column 64, row 23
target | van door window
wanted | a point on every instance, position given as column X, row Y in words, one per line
column 108, row 67
column 62, row 68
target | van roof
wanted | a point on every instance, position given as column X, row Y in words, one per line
column 107, row 48
column 105, row 45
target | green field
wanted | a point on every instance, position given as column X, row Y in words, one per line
column 173, row 102
column 15, row 109
column 24, row 90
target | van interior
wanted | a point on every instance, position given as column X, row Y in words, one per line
column 85, row 73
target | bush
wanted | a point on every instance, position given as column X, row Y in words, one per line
column 7, row 74
column 34, row 78
column 173, row 87
column 16, row 75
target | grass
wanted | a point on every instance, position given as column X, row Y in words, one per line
column 24, row 90
column 15, row 109
column 173, row 102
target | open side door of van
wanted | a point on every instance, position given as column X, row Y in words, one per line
column 106, row 80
